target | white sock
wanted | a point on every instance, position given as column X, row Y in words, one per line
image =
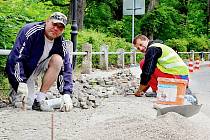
column 40, row 96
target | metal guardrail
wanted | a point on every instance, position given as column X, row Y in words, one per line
column 6, row 52
column 192, row 53
column 85, row 53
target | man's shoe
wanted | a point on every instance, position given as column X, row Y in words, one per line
column 191, row 99
column 151, row 94
column 36, row 106
column 42, row 106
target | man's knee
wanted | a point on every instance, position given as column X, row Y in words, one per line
column 55, row 61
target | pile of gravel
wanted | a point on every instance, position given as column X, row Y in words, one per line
column 89, row 90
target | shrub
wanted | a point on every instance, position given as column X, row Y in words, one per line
column 179, row 45
column 197, row 43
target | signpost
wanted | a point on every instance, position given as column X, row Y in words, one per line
column 133, row 7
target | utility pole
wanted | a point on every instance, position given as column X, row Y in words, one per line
column 74, row 31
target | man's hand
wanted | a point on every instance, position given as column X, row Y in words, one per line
column 141, row 90
column 23, row 90
column 139, row 93
column 66, row 103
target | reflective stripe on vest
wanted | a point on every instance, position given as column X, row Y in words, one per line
column 170, row 62
column 172, row 65
column 167, row 57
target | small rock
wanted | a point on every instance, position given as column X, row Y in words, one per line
column 91, row 98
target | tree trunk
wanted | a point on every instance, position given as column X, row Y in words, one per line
column 81, row 5
column 152, row 5
column 70, row 12
column 208, row 17
column 81, row 13
column 209, row 10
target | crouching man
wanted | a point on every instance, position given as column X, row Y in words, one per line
column 40, row 50
column 159, row 61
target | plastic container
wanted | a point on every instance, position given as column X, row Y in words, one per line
column 171, row 91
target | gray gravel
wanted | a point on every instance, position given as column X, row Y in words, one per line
column 117, row 118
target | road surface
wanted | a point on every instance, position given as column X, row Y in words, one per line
column 118, row 117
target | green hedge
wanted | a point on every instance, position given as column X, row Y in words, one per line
column 192, row 43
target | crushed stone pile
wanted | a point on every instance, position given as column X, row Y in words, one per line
column 89, row 91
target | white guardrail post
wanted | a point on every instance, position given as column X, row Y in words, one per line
column 87, row 59
column 104, row 57
column 192, row 55
column 120, row 58
column 133, row 57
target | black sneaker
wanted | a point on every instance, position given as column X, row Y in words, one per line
column 41, row 106
column 36, row 105
column 151, row 94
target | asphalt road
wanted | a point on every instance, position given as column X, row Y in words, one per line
column 200, row 86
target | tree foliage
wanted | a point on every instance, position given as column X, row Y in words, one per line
column 98, row 16
column 163, row 22
column 171, row 19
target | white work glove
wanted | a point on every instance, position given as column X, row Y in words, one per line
column 66, row 103
column 23, row 90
